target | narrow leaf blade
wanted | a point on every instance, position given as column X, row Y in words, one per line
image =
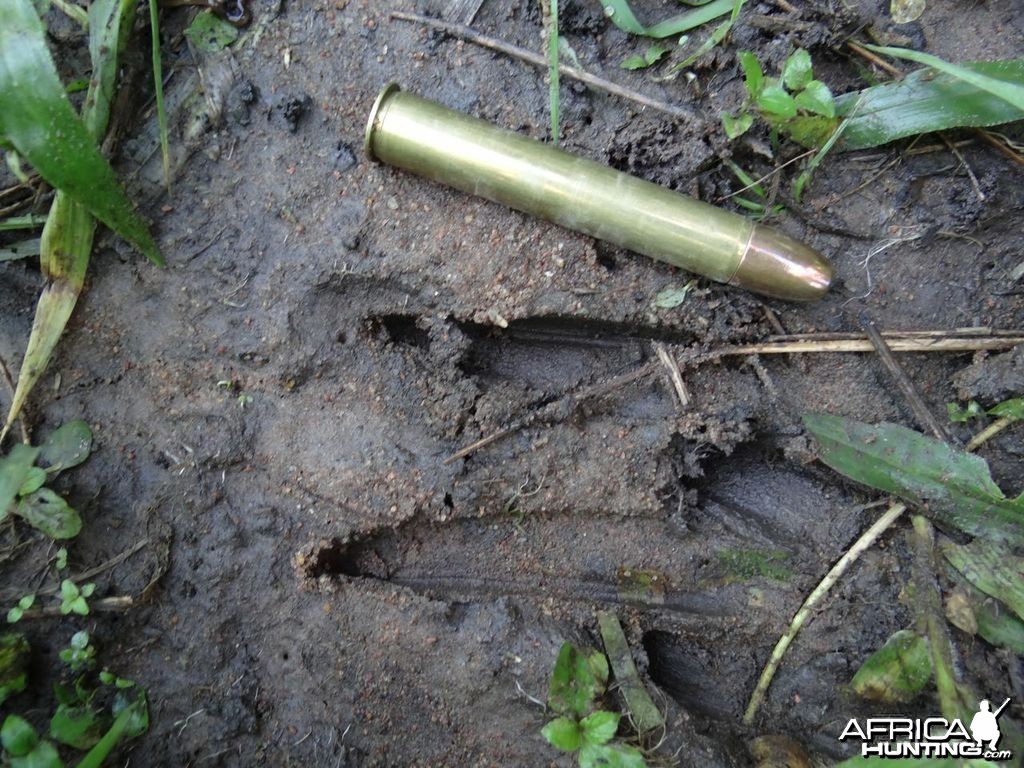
column 37, row 118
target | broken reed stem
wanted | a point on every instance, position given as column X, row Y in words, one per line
column 462, row 32
column 675, row 375
column 989, row 432
column 897, row 343
column 928, row 604
column 849, row 558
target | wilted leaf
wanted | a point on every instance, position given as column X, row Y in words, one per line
column 642, row 709
column 736, row 126
column 49, row 513
column 209, row 33
column 991, row 568
column 897, row 672
column 674, row 296
column 579, row 677
column 925, row 101
column 14, row 654
column 38, row 120
column 79, row 727
column 777, row 751
column 564, row 734
column 976, row 613
column 110, row 24
column 14, row 470
column 651, row 56
column 906, row 11
column 796, row 73
column 67, row 447
column 599, row 727
column 622, row 16
column 955, row 487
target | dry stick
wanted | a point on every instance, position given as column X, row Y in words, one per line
column 989, row 432
column 922, row 412
column 674, row 373
column 10, row 384
column 876, row 60
column 963, row 161
column 860, row 546
column 469, row 34
column 1001, row 147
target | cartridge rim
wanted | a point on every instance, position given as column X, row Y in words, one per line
column 385, row 92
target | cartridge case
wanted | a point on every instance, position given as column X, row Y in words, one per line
column 475, row 156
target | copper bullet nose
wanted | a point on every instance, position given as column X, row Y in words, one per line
column 775, row 264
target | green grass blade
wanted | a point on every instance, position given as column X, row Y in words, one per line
column 158, row 87
column 21, row 250
column 926, row 101
column 66, row 245
column 716, row 36
column 1008, row 90
column 110, row 23
column 39, row 121
column 553, row 89
column 21, row 222
column 622, row 17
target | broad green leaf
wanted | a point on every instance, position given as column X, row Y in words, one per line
column 564, row 734
column 622, row 17
column 17, row 736
column 79, row 727
column 643, row 711
column 993, row 569
column 579, row 677
column 33, row 481
column 796, row 73
column 38, row 120
column 925, row 101
column 14, row 658
column 611, row 756
column 44, row 755
column 817, row 98
column 14, row 470
column 753, row 75
column 776, row 103
column 1009, row 409
column 652, row 55
column 67, row 447
column 209, row 33
column 811, row 131
column 954, row 487
column 1009, row 91
column 599, row 727
column 49, row 513
column 66, row 245
column 736, row 126
column 897, row 672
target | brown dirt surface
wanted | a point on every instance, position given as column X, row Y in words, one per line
column 274, row 409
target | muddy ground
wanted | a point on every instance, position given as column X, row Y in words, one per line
column 329, row 591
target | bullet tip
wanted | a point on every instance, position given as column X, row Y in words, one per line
column 776, row 265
